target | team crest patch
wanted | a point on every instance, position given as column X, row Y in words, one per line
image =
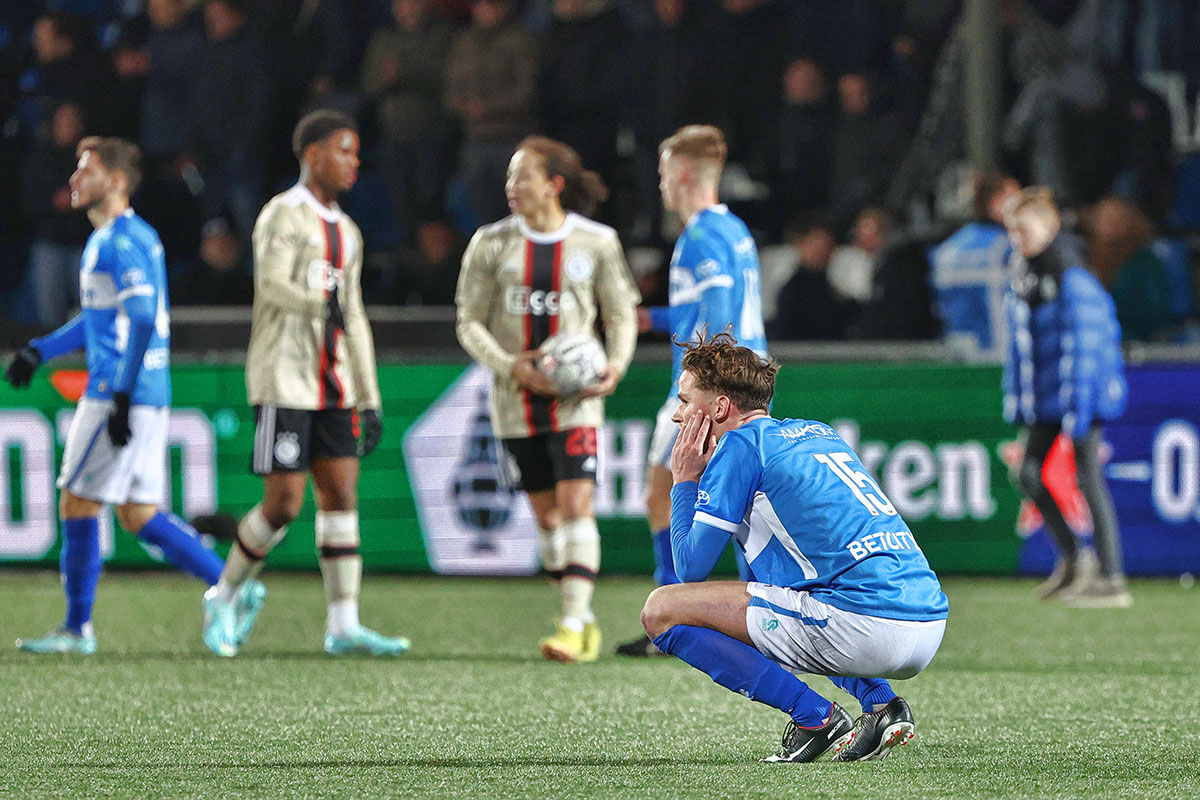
column 580, row 267
column 701, row 498
column 287, row 449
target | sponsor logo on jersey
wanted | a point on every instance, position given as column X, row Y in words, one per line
column 892, row 541
column 797, row 432
column 323, row 275
column 520, row 300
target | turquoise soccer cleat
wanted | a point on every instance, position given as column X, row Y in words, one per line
column 249, row 602
column 220, row 621
column 59, row 640
column 365, row 641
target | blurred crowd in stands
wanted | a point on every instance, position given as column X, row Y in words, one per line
column 845, row 120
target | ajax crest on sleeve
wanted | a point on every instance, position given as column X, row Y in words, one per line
column 573, row 361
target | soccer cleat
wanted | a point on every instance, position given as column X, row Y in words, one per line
column 249, row 601
column 365, row 641
column 876, row 733
column 801, row 745
column 220, row 624
column 1069, row 574
column 1099, row 593
column 59, row 640
column 563, row 645
column 592, row 642
column 640, row 647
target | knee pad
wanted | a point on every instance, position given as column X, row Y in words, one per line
column 337, row 533
column 256, row 537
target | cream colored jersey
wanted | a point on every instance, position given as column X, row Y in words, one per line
column 519, row 287
column 307, row 260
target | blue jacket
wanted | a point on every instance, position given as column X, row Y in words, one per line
column 1064, row 361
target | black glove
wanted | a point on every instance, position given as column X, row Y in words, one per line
column 21, row 368
column 118, row 420
column 372, row 431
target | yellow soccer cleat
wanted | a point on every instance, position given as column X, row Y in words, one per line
column 592, row 641
column 563, row 645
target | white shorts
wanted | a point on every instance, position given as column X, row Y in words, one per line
column 92, row 468
column 662, row 441
column 803, row 634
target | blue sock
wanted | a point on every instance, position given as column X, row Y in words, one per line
column 79, row 562
column 740, row 668
column 872, row 693
column 664, row 562
column 180, row 544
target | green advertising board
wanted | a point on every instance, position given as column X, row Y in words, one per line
column 931, row 434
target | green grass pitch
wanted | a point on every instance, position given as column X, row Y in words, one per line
column 1025, row 699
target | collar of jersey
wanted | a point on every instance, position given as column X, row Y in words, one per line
column 543, row 237
column 719, row 208
column 328, row 214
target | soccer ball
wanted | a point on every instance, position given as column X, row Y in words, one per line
column 572, row 361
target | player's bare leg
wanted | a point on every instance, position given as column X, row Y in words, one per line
column 578, row 636
column 716, row 605
column 336, row 484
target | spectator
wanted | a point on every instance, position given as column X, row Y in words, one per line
column 65, row 66
column 429, row 271
column 59, row 231
column 673, row 87
column 170, row 197
column 807, row 308
column 864, row 149
column 490, row 83
column 805, row 140
column 852, row 269
column 1119, row 237
column 970, row 273
column 583, row 77
column 231, row 99
column 402, row 78
column 220, row 278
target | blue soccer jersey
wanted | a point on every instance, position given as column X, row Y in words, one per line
column 803, row 509
column 124, row 325
column 715, row 283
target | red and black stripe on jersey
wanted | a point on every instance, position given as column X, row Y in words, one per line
column 330, row 388
column 543, row 264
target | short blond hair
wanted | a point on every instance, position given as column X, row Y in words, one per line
column 1034, row 198
column 700, row 142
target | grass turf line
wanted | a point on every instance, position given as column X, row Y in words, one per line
column 1025, row 699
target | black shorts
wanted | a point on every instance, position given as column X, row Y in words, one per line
column 290, row 439
column 542, row 460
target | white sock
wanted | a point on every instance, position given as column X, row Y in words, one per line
column 342, row 617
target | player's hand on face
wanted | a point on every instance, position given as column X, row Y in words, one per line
column 118, row 421
column 21, row 368
column 693, row 447
column 527, row 375
column 372, row 431
column 603, row 387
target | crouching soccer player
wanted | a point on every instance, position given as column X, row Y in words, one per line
column 117, row 442
column 842, row 588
